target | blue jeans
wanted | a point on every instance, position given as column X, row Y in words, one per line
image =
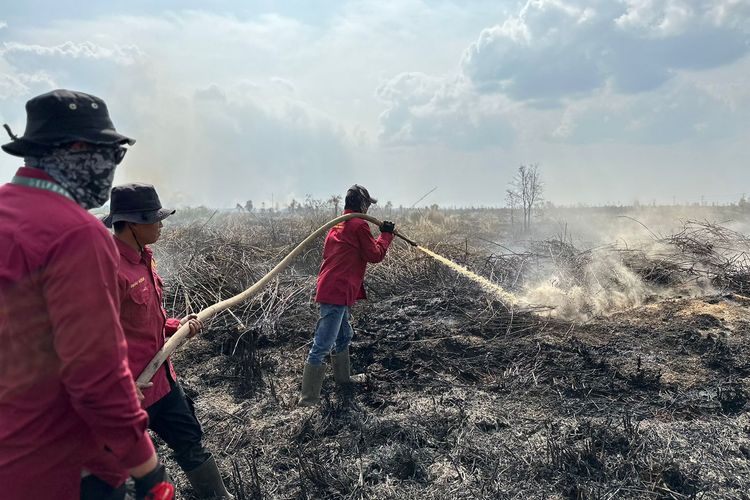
column 333, row 329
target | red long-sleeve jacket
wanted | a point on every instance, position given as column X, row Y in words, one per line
column 66, row 391
column 348, row 248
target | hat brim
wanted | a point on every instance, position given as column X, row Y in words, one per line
column 24, row 147
column 149, row 217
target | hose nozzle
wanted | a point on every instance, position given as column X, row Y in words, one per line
column 411, row 242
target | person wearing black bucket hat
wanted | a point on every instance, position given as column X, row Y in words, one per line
column 64, row 117
column 136, row 203
column 70, row 136
column 66, row 391
column 136, row 214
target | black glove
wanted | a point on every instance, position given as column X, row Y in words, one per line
column 387, row 227
column 155, row 485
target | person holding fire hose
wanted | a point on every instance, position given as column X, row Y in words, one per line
column 66, row 392
column 136, row 214
column 348, row 248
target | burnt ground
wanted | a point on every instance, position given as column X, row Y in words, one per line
column 466, row 399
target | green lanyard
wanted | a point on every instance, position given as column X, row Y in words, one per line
column 41, row 184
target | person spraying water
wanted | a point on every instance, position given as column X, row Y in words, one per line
column 348, row 248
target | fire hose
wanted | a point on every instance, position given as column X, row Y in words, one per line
column 180, row 337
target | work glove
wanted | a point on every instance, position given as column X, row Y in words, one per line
column 387, row 227
column 155, row 485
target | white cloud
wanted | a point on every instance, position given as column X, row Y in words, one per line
column 558, row 49
column 583, row 72
column 21, row 84
column 670, row 18
column 3, row 24
column 121, row 54
column 283, row 83
column 540, row 54
column 679, row 112
column 657, row 19
column 733, row 13
column 425, row 109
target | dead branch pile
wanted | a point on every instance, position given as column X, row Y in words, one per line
column 654, row 268
column 715, row 252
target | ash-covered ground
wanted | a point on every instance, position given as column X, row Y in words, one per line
column 465, row 398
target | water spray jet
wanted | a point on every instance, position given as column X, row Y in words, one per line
column 486, row 284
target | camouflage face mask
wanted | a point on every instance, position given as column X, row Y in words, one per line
column 86, row 174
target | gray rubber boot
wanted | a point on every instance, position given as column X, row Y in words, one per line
column 342, row 369
column 206, row 481
column 312, row 381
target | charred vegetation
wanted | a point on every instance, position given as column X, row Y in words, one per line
column 467, row 397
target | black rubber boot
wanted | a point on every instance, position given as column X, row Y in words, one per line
column 312, row 381
column 342, row 369
column 206, row 481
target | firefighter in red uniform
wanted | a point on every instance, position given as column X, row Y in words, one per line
column 66, row 392
column 136, row 214
column 348, row 248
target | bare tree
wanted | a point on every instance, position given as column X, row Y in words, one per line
column 313, row 205
column 513, row 200
column 526, row 189
column 334, row 200
column 388, row 207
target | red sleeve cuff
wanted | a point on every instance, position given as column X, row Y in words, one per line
column 141, row 451
column 172, row 325
column 385, row 239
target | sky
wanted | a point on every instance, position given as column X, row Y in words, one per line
column 614, row 100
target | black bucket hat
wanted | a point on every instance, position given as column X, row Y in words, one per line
column 61, row 117
column 136, row 203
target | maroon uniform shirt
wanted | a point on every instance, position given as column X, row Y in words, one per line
column 143, row 317
column 66, row 391
column 348, row 248
column 146, row 327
